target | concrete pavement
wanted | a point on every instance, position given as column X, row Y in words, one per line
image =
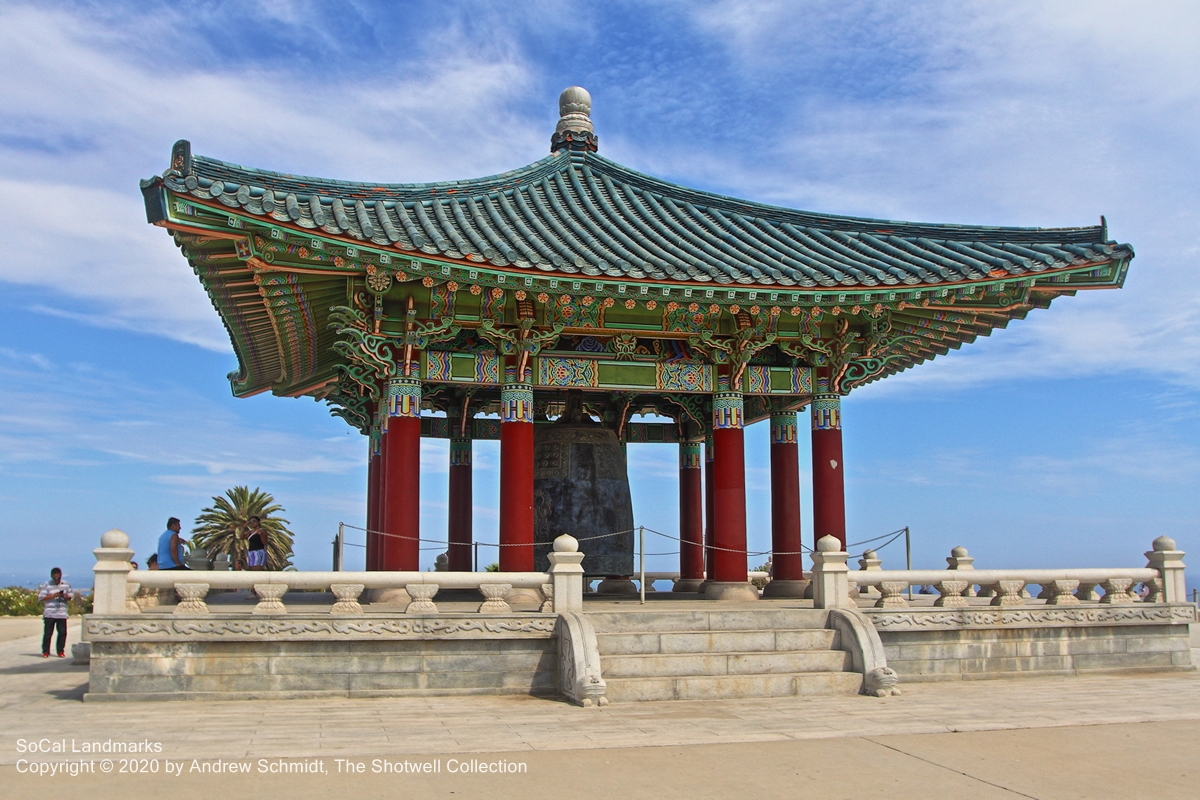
column 1039, row 737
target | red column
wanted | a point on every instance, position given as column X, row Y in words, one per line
column 785, row 498
column 829, row 489
column 691, row 518
column 516, row 477
column 708, row 503
column 729, row 490
column 402, row 465
column 460, row 505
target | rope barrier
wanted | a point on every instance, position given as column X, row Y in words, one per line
column 894, row 535
column 448, row 543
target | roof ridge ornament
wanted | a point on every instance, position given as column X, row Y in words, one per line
column 574, row 130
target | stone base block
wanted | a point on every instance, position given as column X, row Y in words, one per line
column 786, row 589
column 617, row 586
column 398, row 597
column 523, row 597
column 282, row 668
column 687, row 585
column 730, row 591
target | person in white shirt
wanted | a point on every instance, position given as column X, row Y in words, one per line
column 54, row 595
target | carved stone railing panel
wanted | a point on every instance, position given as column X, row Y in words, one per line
column 494, row 594
column 547, row 606
column 305, row 625
column 950, row 594
column 579, row 677
column 270, row 598
column 1062, row 593
column 1031, row 616
column 422, row 598
column 191, row 598
column 347, row 595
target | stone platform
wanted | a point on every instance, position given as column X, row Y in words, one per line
column 673, row 647
column 1082, row 737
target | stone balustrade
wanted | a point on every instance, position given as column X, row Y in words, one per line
column 117, row 584
column 1163, row 576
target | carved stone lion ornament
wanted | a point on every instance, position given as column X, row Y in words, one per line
column 881, row 682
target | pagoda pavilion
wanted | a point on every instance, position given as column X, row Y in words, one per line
column 498, row 296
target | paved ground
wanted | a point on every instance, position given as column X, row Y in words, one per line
column 1100, row 736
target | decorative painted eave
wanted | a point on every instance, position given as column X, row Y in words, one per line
column 576, row 213
column 603, row 252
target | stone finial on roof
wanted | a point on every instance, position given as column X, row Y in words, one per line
column 574, row 130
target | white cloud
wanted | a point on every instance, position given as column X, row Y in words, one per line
column 124, row 421
column 1049, row 117
column 83, row 122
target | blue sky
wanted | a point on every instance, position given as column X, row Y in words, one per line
column 1071, row 438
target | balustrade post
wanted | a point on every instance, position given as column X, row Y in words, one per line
column 950, row 594
column 1062, row 593
column 1169, row 563
column 422, row 598
column 112, row 573
column 1007, row 593
column 870, row 562
column 830, row 575
column 566, row 575
column 892, row 595
column 270, row 598
column 347, row 598
column 494, row 594
column 191, row 598
column 960, row 559
column 1116, row 590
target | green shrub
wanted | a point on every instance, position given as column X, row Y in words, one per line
column 18, row 602
column 80, row 604
column 493, row 567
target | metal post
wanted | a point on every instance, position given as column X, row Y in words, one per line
column 476, row 566
column 642, row 561
column 908, row 558
column 341, row 548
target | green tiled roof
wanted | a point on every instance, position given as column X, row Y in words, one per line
column 575, row 212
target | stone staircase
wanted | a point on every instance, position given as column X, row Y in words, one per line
column 710, row 654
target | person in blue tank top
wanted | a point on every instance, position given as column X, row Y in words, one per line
column 170, row 546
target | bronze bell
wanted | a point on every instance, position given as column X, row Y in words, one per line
column 581, row 487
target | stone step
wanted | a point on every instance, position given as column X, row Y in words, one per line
column 712, row 664
column 634, row 621
column 719, row 641
column 718, row 687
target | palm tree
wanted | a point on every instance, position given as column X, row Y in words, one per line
column 218, row 526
